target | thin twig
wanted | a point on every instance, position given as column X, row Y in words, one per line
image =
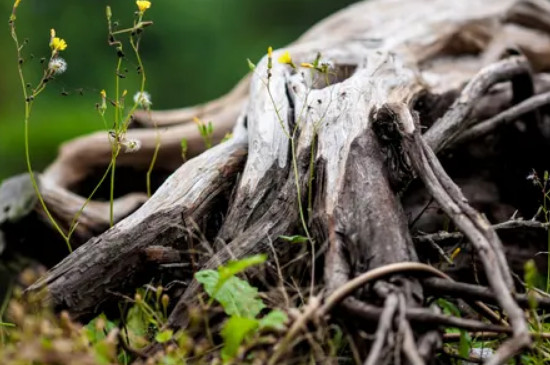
column 488, row 335
column 451, row 125
column 384, row 327
column 510, row 224
column 363, row 312
column 507, row 116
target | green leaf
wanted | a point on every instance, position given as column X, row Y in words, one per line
column 164, row 336
column 448, row 307
column 251, row 65
column 94, row 334
column 234, row 332
column 465, row 344
column 531, row 278
column 136, row 325
column 530, row 274
column 209, row 280
column 294, row 239
column 236, row 296
column 236, row 267
column 274, row 320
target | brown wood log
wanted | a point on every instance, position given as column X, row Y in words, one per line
column 331, row 158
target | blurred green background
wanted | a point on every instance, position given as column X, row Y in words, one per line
column 195, row 51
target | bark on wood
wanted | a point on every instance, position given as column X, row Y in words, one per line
column 345, row 152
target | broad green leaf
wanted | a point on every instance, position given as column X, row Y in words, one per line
column 294, row 239
column 104, row 352
column 93, row 333
column 164, row 336
column 234, row 332
column 209, row 279
column 235, row 267
column 465, row 344
column 236, row 296
column 137, row 326
column 274, row 320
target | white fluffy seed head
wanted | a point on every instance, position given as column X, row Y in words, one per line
column 143, row 99
column 131, row 145
column 57, row 65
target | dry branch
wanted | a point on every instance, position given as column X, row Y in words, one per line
column 343, row 152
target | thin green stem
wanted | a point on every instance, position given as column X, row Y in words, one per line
column 311, row 176
column 28, row 109
column 153, row 161
column 116, row 150
column 279, row 118
column 135, row 47
column 117, row 91
column 298, row 190
column 79, row 213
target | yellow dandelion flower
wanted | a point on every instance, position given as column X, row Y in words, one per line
column 285, row 58
column 56, row 43
column 143, row 5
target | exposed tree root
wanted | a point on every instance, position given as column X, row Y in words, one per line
column 332, row 158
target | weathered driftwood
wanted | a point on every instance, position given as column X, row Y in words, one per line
column 334, row 157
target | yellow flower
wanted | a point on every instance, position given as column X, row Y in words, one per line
column 58, row 44
column 143, row 5
column 286, row 59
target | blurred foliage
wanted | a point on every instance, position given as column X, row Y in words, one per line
column 196, row 51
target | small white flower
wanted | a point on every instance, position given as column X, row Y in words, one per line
column 143, row 99
column 57, row 65
column 131, row 145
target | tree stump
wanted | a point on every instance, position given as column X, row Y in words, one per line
column 351, row 161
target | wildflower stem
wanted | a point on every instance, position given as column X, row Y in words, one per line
column 153, row 161
column 116, row 150
column 117, row 90
column 75, row 218
column 28, row 109
column 135, row 47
